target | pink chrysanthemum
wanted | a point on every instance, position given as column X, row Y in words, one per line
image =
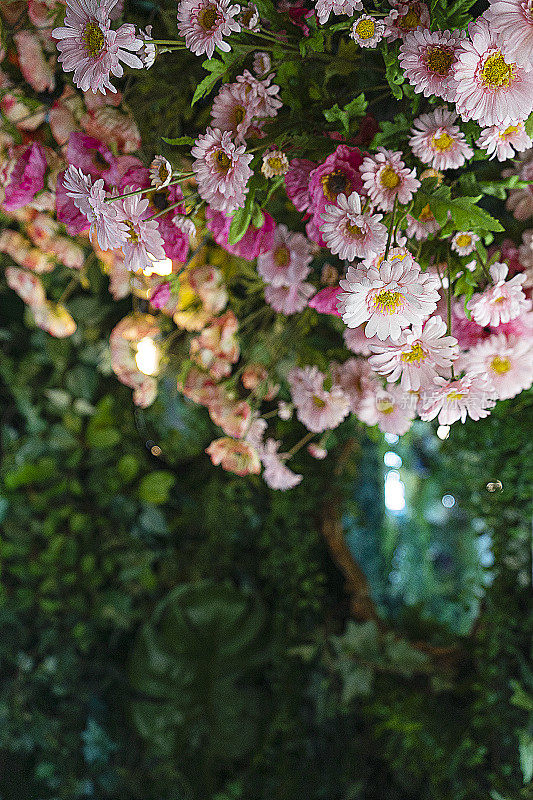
column 386, row 177
column 503, row 143
column 297, row 182
column 388, row 299
column 316, row 408
column 338, row 174
column 367, row 31
column 506, row 361
column 261, row 93
column 24, row 176
column 160, row 172
column 357, row 381
column 144, row 243
column 349, row 233
column 289, row 299
column 512, row 22
column 418, row 356
column 106, row 223
column 501, row 302
column 221, row 169
column 489, row 86
column 428, row 59
column 423, row 227
column 406, row 16
column 464, row 243
column 89, row 47
column 356, row 340
column 437, row 141
column 288, row 260
column 392, row 410
column 276, row 474
column 233, row 111
column 204, row 23
column 326, row 7
column 471, row 396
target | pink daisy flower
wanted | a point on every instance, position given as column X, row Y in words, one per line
column 464, row 243
column 276, row 474
column 356, row 340
column 338, row 174
column 260, row 93
column 512, row 22
column 489, row 86
column 235, row 456
column 288, row 260
column 367, row 31
column 503, row 143
column 357, row 381
column 289, row 299
column 405, row 17
column 438, row 142
column 388, row 298
column 233, row 111
column 428, row 59
column 501, row 302
column 418, row 356
column 324, row 8
column 450, row 401
column 386, row 177
column 316, row 408
column 160, row 172
column 89, row 47
column 423, row 227
column 221, row 169
column 204, row 23
column 106, row 220
column 506, row 361
column 350, row 234
column 144, row 243
column 297, row 182
column 392, row 410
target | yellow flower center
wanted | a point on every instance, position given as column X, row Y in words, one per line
column 509, row 131
column 416, row 353
column 500, row 365
column 334, row 184
column 239, row 113
column 411, row 20
column 282, row 256
column 93, row 39
column 463, row 240
column 442, row 142
column 207, row 18
column 389, row 178
column 455, row 395
column 132, row 233
column 439, row 59
column 426, row 215
column 388, row 302
column 365, row 28
column 496, row 72
column 276, row 164
column 221, row 161
column 354, row 231
column 318, row 402
column 384, row 405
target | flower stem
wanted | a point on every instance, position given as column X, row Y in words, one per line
column 391, row 228
column 298, row 446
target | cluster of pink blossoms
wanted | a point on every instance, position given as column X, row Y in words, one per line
column 413, row 346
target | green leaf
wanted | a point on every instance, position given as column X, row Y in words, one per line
column 102, row 437
column 217, row 68
column 188, row 140
column 355, row 108
column 241, row 220
column 155, row 487
column 529, row 125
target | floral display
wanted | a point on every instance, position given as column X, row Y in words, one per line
column 344, row 233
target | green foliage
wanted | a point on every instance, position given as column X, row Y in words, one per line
column 352, row 110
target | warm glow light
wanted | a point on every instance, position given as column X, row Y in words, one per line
column 443, row 431
column 147, row 356
column 163, row 267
